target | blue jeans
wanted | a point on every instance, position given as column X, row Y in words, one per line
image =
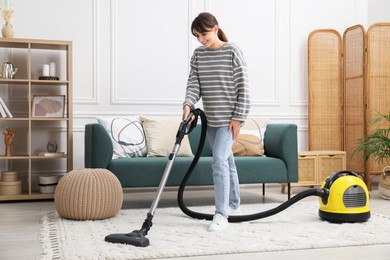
column 226, row 184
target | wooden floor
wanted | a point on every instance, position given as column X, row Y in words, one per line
column 20, row 224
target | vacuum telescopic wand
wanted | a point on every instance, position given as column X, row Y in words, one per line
column 138, row 237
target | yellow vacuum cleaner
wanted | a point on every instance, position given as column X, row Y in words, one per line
column 347, row 200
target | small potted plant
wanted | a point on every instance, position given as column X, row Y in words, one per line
column 377, row 145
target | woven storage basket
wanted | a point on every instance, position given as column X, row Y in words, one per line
column 88, row 194
column 384, row 184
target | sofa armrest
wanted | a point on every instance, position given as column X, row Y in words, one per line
column 98, row 146
column 280, row 141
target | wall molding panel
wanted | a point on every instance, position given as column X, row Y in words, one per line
column 127, row 87
column 94, row 98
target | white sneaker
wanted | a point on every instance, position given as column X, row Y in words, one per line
column 219, row 222
column 235, row 212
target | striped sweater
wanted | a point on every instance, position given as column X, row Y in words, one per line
column 219, row 77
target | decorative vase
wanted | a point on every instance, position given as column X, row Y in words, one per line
column 7, row 31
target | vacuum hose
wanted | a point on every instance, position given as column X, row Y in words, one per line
column 323, row 193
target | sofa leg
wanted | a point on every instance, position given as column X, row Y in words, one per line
column 263, row 189
column 288, row 190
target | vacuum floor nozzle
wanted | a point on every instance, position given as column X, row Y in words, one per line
column 135, row 238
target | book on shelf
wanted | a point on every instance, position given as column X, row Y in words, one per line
column 4, row 111
column 51, row 154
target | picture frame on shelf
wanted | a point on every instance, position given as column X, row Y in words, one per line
column 48, row 105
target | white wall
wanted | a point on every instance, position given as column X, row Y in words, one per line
column 131, row 57
column 378, row 11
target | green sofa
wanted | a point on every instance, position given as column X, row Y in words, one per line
column 279, row 165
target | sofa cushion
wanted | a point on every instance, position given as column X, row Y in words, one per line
column 160, row 133
column 127, row 135
column 148, row 171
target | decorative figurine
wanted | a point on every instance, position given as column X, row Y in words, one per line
column 52, row 147
column 8, row 139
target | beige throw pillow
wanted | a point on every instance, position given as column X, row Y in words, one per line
column 250, row 141
column 247, row 145
column 160, row 133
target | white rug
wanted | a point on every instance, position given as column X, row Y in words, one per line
column 174, row 234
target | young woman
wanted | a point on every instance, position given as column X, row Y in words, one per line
column 218, row 75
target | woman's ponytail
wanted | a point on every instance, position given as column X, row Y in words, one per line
column 222, row 36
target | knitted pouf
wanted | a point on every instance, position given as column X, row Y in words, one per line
column 88, row 194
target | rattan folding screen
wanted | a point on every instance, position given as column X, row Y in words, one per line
column 354, row 46
column 325, row 90
column 378, row 79
column 348, row 85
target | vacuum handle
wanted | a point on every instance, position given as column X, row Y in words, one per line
column 335, row 176
column 185, row 127
column 329, row 181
